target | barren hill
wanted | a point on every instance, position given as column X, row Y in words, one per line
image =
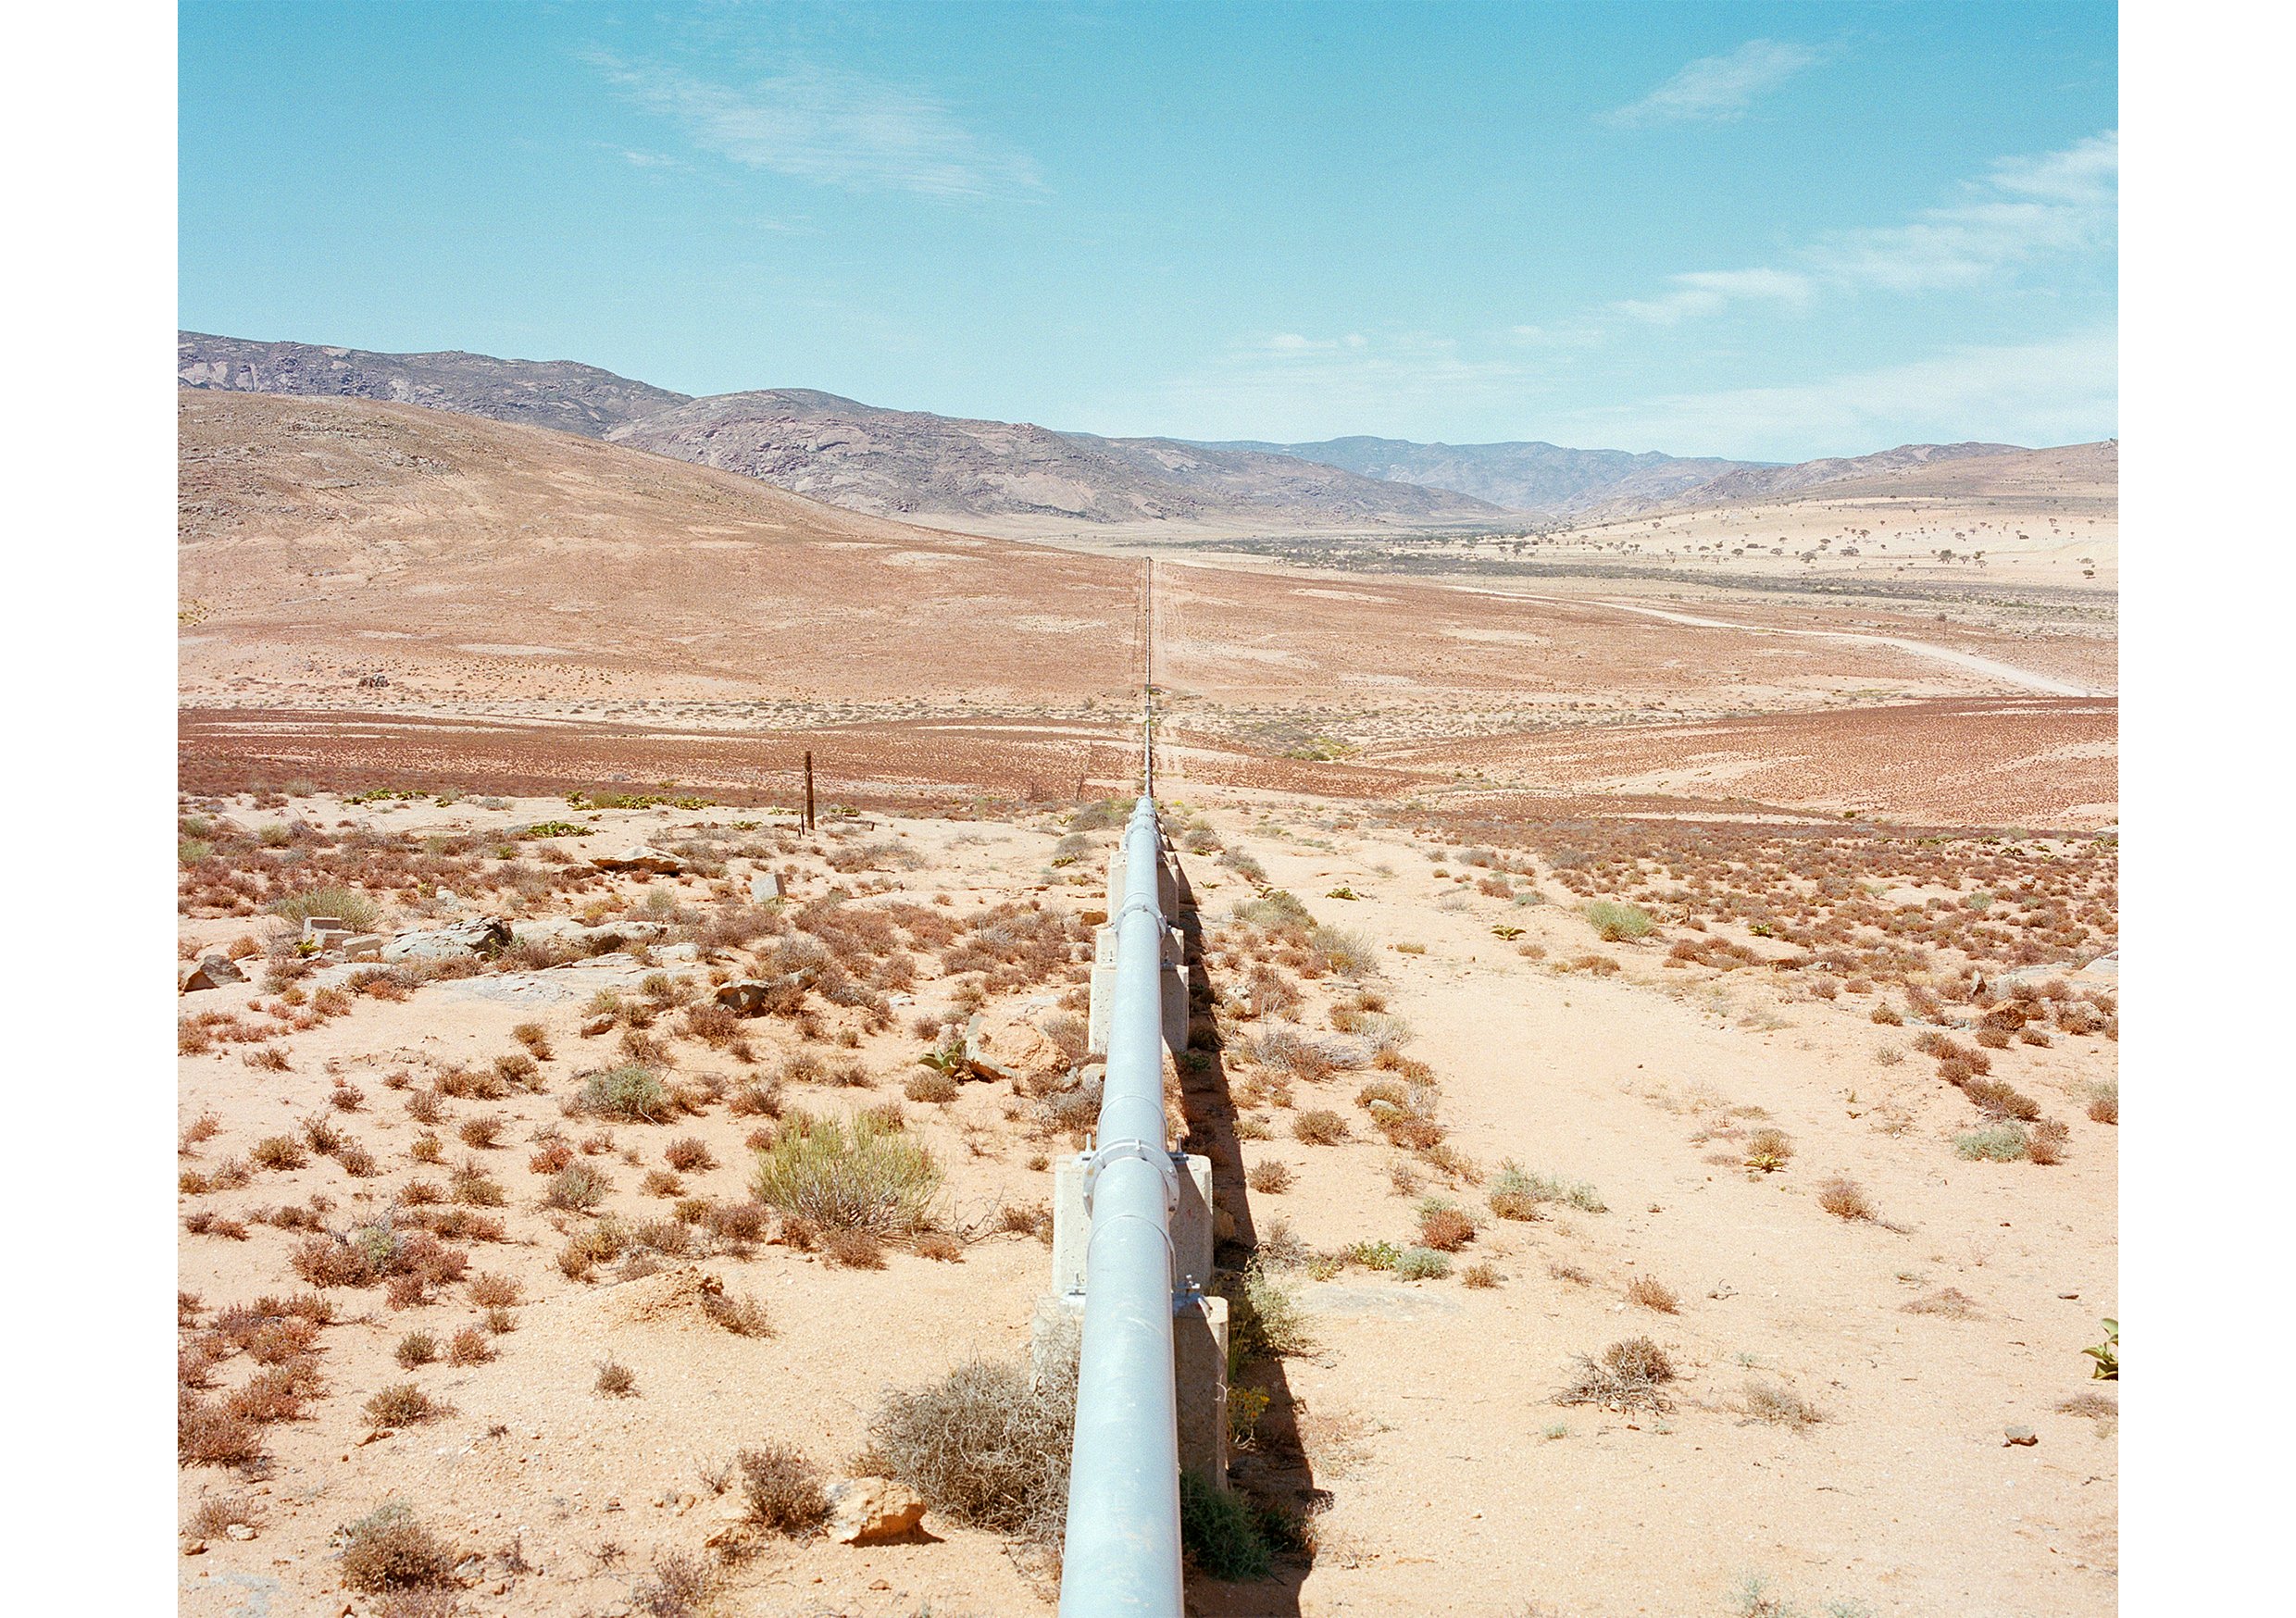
column 1013, row 477
column 1543, row 477
column 560, row 393
column 2087, row 472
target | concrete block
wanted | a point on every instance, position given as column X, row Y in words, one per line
column 1199, row 1369
column 1167, row 885
column 1175, row 1003
column 1199, row 1384
column 1192, row 1232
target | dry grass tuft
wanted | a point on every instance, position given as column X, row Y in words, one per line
column 1271, row 1178
column 389, row 1550
column 1652, row 1293
column 1628, row 1375
column 782, row 1491
column 1951, row 1302
column 1844, row 1199
column 1780, row 1407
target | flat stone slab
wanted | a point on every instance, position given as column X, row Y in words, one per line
column 1394, row 1302
column 552, row 985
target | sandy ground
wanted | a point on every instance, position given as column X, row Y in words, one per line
column 1439, row 1474
column 1850, row 789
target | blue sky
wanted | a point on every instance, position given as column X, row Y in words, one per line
column 1771, row 232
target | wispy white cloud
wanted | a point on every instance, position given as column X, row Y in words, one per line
column 2034, row 393
column 1718, row 89
column 2023, row 209
column 1703, row 292
column 834, row 127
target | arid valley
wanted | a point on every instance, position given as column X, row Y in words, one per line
column 1652, row 1015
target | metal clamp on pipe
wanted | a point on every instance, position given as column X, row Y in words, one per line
column 1117, row 1149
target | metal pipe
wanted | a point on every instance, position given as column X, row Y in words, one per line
column 1122, row 1553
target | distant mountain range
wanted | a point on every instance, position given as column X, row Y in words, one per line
column 1017, row 479
column 1542, row 478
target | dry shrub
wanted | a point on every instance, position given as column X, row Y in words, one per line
column 417, row 1348
column 1997, row 1100
column 402, row 1404
column 1951, row 1302
column 207, row 1434
column 1768, row 1150
column 854, row 1250
column 939, row 1246
column 483, row 1132
column 495, row 1290
column 985, row 1445
column 469, row 1348
column 743, row 1316
column 390, row 1549
column 2104, row 1103
column 1844, row 1199
column 276, row 1395
column 1271, row 1178
column 1319, row 1127
column 1652, row 1293
column 551, row 1157
column 215, row 1517
column 930, row 1085
column 678, row 1587
column 1628, row 1375
column 782, row 1491
column 2047, row 1142
column 687, row 1155
column 279, row 1152
column 1780, row 1407
column 615, row 1379
column 536, row 1037
column 1444, row 1227
column 1484, row 1273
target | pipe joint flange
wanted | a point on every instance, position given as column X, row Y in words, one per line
column 1150, row 906
column 1116, row 1151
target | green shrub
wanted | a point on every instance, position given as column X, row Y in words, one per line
column 2108, row 1354
column 576, row 1188
column 2003, row 1144
column 1421, row 1264
column 1277, row 910
column 1374, row 1255
column 1220, row 1532
column 1516, row 1191
column 1265, row 1320
column 631, row 1094
column 1613, row 921
column 348, row 906
column 866, row 1176
column 1337, row 950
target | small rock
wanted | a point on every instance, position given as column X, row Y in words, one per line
column 730, row 1525
column 213, row 972
column 869, row 1511
column 195, row 1548
column 639, row 857
column 363, row 947
column 1012, row 1048
column 480, row 936
column 754, row 997
column 2024, row 1436
column 765, row 886
column 240, row 1531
